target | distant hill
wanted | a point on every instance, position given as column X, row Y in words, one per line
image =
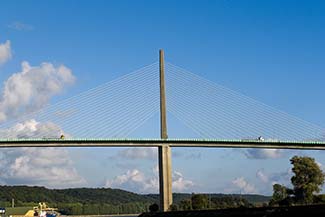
column 26, row 194
column 87, row 201
column 77, row 201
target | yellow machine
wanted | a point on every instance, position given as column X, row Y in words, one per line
column 42, row 210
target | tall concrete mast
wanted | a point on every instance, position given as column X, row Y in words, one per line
column 164, row 151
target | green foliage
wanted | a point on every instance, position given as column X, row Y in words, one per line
column 307, row 180
column 251, row 198
column 185, row 204
column 279, row 194
column 229, row 202
column 319, row 199
column 33, row 195
column 78, row 201
column 154, row 208
column 104, row 201
column 173, row 207
column 199, row 201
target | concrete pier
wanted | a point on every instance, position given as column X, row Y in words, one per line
column 165, row 177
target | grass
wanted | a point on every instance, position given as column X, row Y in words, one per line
column 17, row 210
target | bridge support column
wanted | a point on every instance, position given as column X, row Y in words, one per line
column 165, row 177
column 164, row 151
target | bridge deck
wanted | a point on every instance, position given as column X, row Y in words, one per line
column 273, row 144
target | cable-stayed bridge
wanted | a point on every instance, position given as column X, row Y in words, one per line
column 113, row 114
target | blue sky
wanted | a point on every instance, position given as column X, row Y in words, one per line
column 271, row 51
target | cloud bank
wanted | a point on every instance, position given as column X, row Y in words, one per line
column 27, row 91
column 49, row 167
column 244, row 186
column 5, row 52
column 282, row 178
column 136, row 181
column 263, row 153
column 32, row 129
column 32, row 88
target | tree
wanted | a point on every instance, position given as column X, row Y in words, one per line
column 199, row 201
column 173, row 207
column 307, row 180
column 226, row 202
column 185, row 204
column 280, row 193
column 154, row 207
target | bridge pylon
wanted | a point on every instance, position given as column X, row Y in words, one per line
column 164, row 151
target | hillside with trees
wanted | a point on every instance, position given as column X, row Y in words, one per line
column 78, row 201
column 307, row 181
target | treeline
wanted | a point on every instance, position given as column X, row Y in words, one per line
column 205, row 202
column 77, row 201
column 102, row 209
column 24, row 195
column 255, row 199
column 101, row 201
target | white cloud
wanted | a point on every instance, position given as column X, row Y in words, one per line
column 139, row 153
column 49, row 167
column 262, row 176
column 263, row 153
column 244, row 186
column 23, row 92
column 20, row 26
column 136, row 181
column 5, row 52
column 282, row 178
column 265, row 181
column 32, row 129
column 31, row 89
column 180, row 184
